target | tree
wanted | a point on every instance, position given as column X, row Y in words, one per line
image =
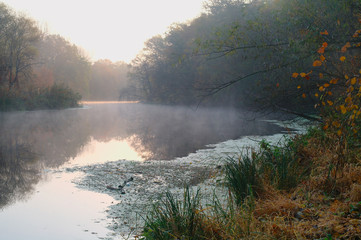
column 19, row 36
column 66, row 63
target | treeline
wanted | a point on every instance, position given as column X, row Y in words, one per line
column 244, row 53
column 39, row 70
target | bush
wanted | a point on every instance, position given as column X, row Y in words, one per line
column 55, row 97
column 279, row 165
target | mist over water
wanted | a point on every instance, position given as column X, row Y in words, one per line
column 34, row 143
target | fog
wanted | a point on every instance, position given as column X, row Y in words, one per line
column 38, row 140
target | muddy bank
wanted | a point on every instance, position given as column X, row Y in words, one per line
column 144, row 182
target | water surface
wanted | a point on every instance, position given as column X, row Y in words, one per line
column 38, row 199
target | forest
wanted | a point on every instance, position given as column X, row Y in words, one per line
column 236, row 53
column 44, row 71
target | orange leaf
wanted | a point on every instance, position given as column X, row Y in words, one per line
column 334, row 81
column 321, row 89
column 303, row 74
column 322, row 58
column 321, row 50
column 325, row 127
column 317, row 63
column 329, row 102
column 325, row 44
column 324, row 33
column 339, row 132
column 326, row 85
column 320, row 75
column 316, row 94
column 294, row 75
column 329, row 93
column 298, row 87
column 342, row 59
column 277, row 85
column 303, row 95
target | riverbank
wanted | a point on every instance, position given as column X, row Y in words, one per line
column 54, row 97
column 151, row 179
column 307, row 188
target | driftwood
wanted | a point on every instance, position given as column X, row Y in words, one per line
column 120, row 187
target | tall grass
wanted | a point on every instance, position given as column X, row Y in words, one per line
column 275, row 166
column 242, row 177
column 175, row 219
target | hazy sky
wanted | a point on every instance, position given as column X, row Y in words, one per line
column 113, row 29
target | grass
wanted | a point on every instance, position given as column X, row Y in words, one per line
column 174, row 219
column 305, row 188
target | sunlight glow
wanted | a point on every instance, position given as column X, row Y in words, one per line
column 108, row 29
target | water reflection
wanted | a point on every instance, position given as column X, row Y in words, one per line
column 34, row 141
column 19, row 171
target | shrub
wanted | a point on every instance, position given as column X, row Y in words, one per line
column 55, row 97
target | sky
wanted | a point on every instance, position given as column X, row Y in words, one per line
column 108, row 29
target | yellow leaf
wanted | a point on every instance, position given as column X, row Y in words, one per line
column 317, row 63
column 329, row 102
column 326, row 85
column 353, row 81
column 336, row 124
column 298, row 87
column 342, row 59
column 303, row 74
column 346, row 77
column 339, row 132
column 350, row 89
column 343, row 109
column 320, row 75
column 316, row 94
column 348, row 99
column 294, row 75
column 321, row 89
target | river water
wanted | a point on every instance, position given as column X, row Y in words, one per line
column 46, row 157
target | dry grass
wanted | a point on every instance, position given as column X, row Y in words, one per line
column 325, row 205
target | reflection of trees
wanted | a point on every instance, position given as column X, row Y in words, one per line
column 19, row 171
column 31, row 141
column 169, row 132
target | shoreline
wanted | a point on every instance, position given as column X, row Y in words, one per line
column 151, row 179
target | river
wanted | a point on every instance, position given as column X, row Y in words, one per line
column 55, row 166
